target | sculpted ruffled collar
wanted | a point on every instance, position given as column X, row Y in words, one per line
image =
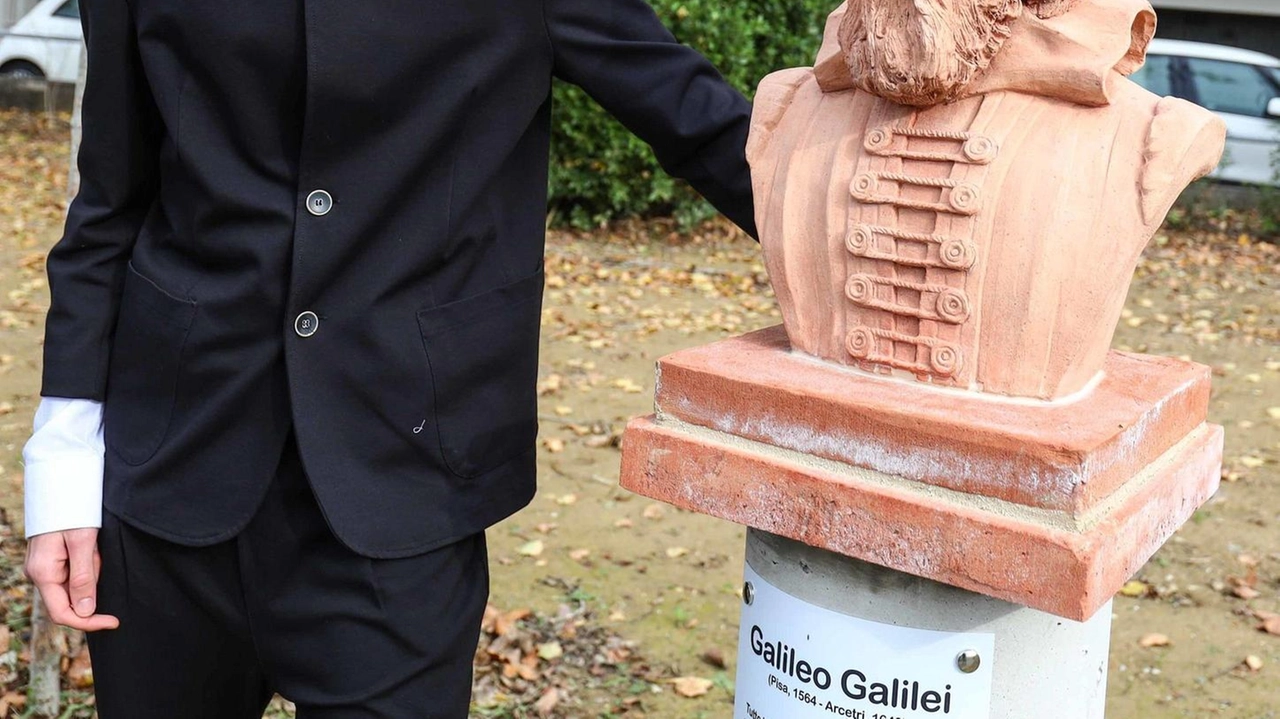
column 1077, row 56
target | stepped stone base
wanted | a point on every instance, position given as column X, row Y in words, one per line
column 1049, row 505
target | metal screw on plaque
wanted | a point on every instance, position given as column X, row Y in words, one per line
column 748, row 593
column 968, row 661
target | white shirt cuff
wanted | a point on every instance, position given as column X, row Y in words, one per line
column 63, row 473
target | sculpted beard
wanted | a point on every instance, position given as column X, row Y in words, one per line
column 923, row 52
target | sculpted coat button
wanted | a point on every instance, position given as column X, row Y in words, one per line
column 957, row 254
column 878, row 139
column 860, row 343
column 859, row 288
column 980, row 150
column 861, row 240
column 864, row 185
column 953, row 306
column 945, row 360
column 306, row 324
column 319, row 203
column 965, row 199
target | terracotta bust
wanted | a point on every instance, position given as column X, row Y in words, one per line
column 959, row 190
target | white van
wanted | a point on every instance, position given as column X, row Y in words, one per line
column 1240, row 86
column 45, row 43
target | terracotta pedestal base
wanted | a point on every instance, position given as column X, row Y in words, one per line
column 1049, row 505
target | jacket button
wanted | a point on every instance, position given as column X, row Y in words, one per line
column 306, row 324
column 319, row 203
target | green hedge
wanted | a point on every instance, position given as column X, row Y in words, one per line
column 601, row 172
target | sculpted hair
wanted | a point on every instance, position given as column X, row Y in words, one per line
column 923, row 52
column 1045, row 9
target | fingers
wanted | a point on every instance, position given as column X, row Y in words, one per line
column 53, row 561
column 58, row 602
column 82, row 582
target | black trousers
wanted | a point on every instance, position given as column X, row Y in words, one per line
column 213, row 632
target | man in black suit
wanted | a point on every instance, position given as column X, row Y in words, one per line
column 299, row 292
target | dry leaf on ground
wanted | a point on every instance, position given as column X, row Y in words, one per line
column 691, row 686
column 1154, row 640
column 1136, row 589
column 550, row 651
column 1245, row 592
column 547, row 702
column 715, row 658
column 531, row 549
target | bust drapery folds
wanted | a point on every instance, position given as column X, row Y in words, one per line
column 957, row 193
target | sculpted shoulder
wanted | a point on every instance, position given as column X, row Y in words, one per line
column 774, row 96
column 1174, row 143
column 1184, row 143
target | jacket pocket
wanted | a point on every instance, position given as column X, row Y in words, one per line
column 483, row 356
column 146, row 355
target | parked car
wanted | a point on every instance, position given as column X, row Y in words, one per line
column 1240, row 86
column 45, row 43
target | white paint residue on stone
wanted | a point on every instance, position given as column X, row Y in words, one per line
column 1011, row 510
column 912, row 463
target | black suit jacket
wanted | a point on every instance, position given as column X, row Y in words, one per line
column 191, row 255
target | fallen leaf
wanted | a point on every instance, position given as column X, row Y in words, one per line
column 567, row 500
column 547, row 702
column 564, row 410
column 653, row 511
column 550, row 651
column 628, row 386
column 578, row 555
column 1271, row 625
column 1245, row 592
column 613, row 439
column 531, row 549
column 80, row 672
column 1252, row 462
column 550, row 385
column 1135, row 588
column 12, row 700
column 624, row 523
column 1154, row 640
column 554, row 445
column 505, row 624
column 1253, row 663
column 676, row 552
column 691, row 686
column 714, row 657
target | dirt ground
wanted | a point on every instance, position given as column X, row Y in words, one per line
column 669, row 580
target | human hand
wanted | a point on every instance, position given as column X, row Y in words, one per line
column 64, row 567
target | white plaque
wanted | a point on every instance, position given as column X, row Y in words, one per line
column 800, row 661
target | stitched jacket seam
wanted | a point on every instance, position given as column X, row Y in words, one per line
column 546, row 30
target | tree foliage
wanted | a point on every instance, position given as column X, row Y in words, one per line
column 601, row 172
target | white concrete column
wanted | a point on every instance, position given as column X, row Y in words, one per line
column 1042, row 666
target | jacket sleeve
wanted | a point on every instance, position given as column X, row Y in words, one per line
column 118, row 180
column 669, row 95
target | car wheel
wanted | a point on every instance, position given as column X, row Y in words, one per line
column 22, row 69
